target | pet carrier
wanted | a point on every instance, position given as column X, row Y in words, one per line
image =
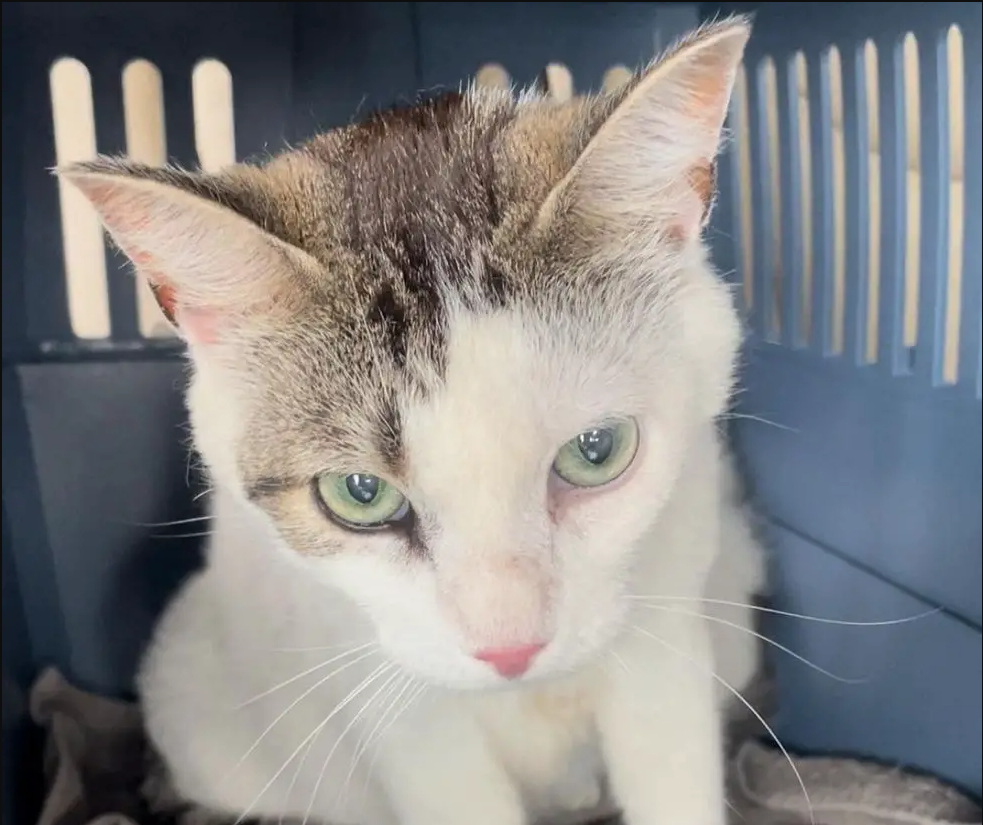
column 848, row 219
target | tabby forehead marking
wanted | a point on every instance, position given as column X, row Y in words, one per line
column 418, row 197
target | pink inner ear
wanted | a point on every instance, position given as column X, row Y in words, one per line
column 690, row 213
column 123, row 215
column 708, row 90
column 131, row 213
column 197, row 325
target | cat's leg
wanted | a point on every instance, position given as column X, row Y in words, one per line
column 661, row 729
column 443, row 772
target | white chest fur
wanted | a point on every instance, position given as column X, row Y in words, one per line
column 237, row 631
column 547, row 738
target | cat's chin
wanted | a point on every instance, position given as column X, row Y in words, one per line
column 480, row 683
column 499, row 685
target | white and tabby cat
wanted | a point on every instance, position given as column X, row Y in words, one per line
column 456, row 377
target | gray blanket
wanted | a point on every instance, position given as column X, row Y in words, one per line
column 100, row 772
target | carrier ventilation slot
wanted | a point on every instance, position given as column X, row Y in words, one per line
column 849, row 204
column 144, row 120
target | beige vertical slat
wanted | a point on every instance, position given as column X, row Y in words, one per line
column 615, row 77
column 799, row 66
column 493, row 76
column 769, row 83
column 146, row 141
column 955, row 64
column 82, row 239
column 913, row 185
column 211, row 90
column 559, row 82
column 834, row 67
column 873, row 120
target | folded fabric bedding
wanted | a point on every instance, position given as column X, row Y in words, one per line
column 99, row 771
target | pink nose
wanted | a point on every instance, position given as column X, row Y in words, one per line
column 510, row 662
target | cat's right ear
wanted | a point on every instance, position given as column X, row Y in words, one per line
column 210, row 267
column 647, row 167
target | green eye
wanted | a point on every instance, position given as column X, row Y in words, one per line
column 360, row 500
column 597, row 456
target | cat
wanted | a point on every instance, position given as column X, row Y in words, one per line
column 457, row 379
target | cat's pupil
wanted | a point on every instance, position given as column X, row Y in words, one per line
column 596, row 445
column 363, row 488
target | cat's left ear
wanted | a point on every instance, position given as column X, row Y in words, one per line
column 191, row 235
column 649, row 165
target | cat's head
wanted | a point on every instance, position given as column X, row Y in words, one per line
column 456, row 353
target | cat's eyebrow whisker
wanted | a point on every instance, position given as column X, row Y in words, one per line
column 774, row 612
column 352, row 694
column 757, row 635
column 289, row 708
column 758, row 418
column 737, row 694
column 182, row 535
column 202, row 494
column 394, row 673
column 174, row 523
column 310, row 670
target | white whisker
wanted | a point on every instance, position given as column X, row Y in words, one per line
column 302, row 762
column 290, row 788
column 320, row 726
column 396, row 691
column 351, row 723
column 300, row 766
column 621, row 661
column 756, row 635
column 712, row 674
column 202, row 494
column 410, row 700
column 304, row 673
column 803, row 617
column 313, row 649
column 758, row 418
column 734, row 809
column 290, row 707
column 174, row 523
